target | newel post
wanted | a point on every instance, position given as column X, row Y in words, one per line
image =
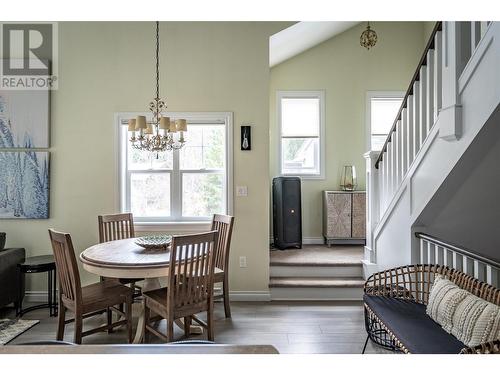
column 456, row 50
column 372, row 203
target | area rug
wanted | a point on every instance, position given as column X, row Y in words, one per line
column 11, row 328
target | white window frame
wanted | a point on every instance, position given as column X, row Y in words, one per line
column 316, row 94
column 372, row 95
column 164, row 223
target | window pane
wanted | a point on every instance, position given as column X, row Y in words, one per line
column 383, row 114
column 300, row 155
column 205, row 148
column 137, row 159
column 300, row 116
column 150, row 194
column 140, row 160
column 161, row 160
column 378, row 142
column 202, row 194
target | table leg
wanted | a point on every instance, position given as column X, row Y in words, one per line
column 49, row 291
column 194, row 329
column 54, row 293
column 150, row 284
column 21, row 283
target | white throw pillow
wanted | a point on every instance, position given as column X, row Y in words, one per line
column 443, row 299
column 476, row 321
column 470, row 319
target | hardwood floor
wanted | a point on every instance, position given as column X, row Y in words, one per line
column 292, row 327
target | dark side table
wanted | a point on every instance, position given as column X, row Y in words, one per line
column 37, row 264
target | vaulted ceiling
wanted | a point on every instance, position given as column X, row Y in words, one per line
column 302, row 36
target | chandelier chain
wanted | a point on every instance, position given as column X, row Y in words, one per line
column 157, row 59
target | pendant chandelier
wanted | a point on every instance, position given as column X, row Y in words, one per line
column 368, row 38
column 162, row 133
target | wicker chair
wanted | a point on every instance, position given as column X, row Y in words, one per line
column 413, row 283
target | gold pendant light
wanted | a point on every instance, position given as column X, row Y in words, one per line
column 368, row 38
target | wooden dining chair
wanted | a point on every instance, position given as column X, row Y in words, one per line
column 190, row 286
column 85, row 301
column 224, row 225
column 115, row 227
column 118, row 227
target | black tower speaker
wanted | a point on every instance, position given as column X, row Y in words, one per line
column 287, row 215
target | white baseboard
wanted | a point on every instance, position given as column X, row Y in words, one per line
column 40, row 296
column 307, row 240
column 35, row 296
column 313, row 240
column 244, row 295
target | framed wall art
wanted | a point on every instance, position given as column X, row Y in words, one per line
column 24, row 185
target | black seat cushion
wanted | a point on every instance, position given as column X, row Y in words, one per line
column 412, row 326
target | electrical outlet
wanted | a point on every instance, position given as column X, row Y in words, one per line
column 243, row 262
column 241, row 191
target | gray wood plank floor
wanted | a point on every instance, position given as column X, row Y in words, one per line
column 292, row 327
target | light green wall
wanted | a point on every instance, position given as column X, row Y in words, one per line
column 346, row 71
column 428, row 27
column 107, row 67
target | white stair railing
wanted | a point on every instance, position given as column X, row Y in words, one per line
column 433, row 90
column 420, row 108
column 414, row 121
column 433, row 250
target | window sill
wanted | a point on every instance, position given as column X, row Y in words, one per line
column 174, row 227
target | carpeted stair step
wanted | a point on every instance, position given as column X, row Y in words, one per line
column 316, row 282
column 318, row 256
column 316, row 288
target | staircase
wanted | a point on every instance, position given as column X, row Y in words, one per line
column 317, row 273
column 454, row 92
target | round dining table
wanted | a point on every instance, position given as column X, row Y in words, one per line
column 125, row 259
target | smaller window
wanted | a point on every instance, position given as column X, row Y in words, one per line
column 301, row 119
column 383, row 111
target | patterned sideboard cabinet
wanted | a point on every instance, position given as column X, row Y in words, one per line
column 344, row 217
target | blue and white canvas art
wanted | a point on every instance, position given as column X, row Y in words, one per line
column 24, row 119
column 24, row 185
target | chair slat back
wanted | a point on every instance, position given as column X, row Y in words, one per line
column 67, row 268
column 115, row 227
column 224, row 225
column 191, row 271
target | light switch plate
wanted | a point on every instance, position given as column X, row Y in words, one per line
column 241, row 191
column 243, row 262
